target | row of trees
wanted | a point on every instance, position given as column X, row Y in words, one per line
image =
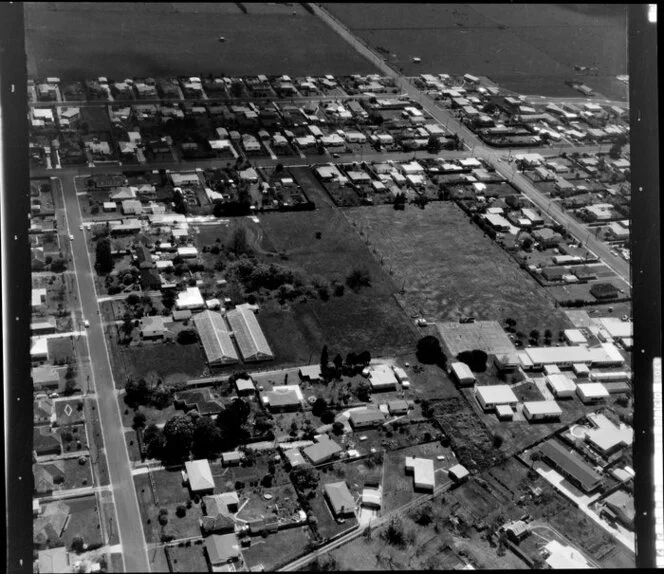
column 205, row 438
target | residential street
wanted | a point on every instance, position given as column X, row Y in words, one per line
column 129, row 525
column 480, row 150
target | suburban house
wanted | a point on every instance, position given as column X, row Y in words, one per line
column 222, row 549
column 199, row 476
column 423, row 473
column 283, row 398
column 541, row 410
column 366, row 418
column 491, row 396
column 153, row 327
column 323, row 450
column 340, row 499
column 572, row 466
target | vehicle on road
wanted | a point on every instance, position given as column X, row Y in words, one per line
column 422, row 322
column 86, row 323
column 81, row 227
column 336, row 156
column 53, row 396
column 71, row 237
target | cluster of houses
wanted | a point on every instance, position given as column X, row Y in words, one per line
column 511, row 120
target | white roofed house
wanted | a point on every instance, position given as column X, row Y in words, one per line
column 190, row 298
column 592, row 392
column 215, row 337
column 310, row 373
column 199, row 476
column 491, row 396
column 561, row 385
column 382, row 378
column 423, row 473
column 541, row 410
column 462, row 374
column 249, row 335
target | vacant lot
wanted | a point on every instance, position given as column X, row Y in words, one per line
column 449, row 269
column 367, row 319
column 75, row 42
column 530, row 49
column 187, row 558
column 164, row 490
column 169, row 362
column 277, row 549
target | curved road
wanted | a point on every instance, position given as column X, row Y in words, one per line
column 130, row 525
column 578, row 230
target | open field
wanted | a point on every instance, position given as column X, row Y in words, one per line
column 367, row 319
column 449, row 269
column 529, row 49
column 168, row 493
column 188, row 558
column 168, row 40
column 169, row 362
column 277, row 549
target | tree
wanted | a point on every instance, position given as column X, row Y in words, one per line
column 206, row 438
column 180, row 511
column 187, row 336
column 304, row 477
column 78, row 544
column 103, row 257
column 58, row 265
column 263, row 422
column 358, row 278
column 394, row 533
column 338, row 362
column 70, row 387
column 154, row 441
column 511, row 323
column 324, row 360
column 327, row 417
column 133, row 298
column 136, row 393
column 498, row 440
column 475, row 359
column 548, row 334
column 433, row 145
column 363, row 391
column 338, row 428
column 429, row 351
column 319, row 407
column 422, row 515
column 364, row 358
column 239, row 243
column 534, row 335
column 179, row 432
column 293, row 429
column 400, row 201
column 139, row 420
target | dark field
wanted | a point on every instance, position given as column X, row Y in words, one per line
column 368, row 319
column 531, row 49
column 75, row 40
column 449, row 269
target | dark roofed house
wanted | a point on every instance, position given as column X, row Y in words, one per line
column 199, row 399
column 574, row 468
column 398, row 407
column 43, row 411
column 44, row 442
column 47, row 476
column 144, row 257
column 553, row 273
column 604, row 291
column 366, row 418
column 621, row 503
column 325, row 449
column 340, row 499
column 547, row 237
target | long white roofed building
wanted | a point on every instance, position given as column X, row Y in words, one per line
column 249, row 335
column 216, row 339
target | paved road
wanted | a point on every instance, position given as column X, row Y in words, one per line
column 304, row 560
column 129, row 524
column 480, row 150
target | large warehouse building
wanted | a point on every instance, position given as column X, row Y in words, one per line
column 249, row 335
column 606, row 355
column 217, row 342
